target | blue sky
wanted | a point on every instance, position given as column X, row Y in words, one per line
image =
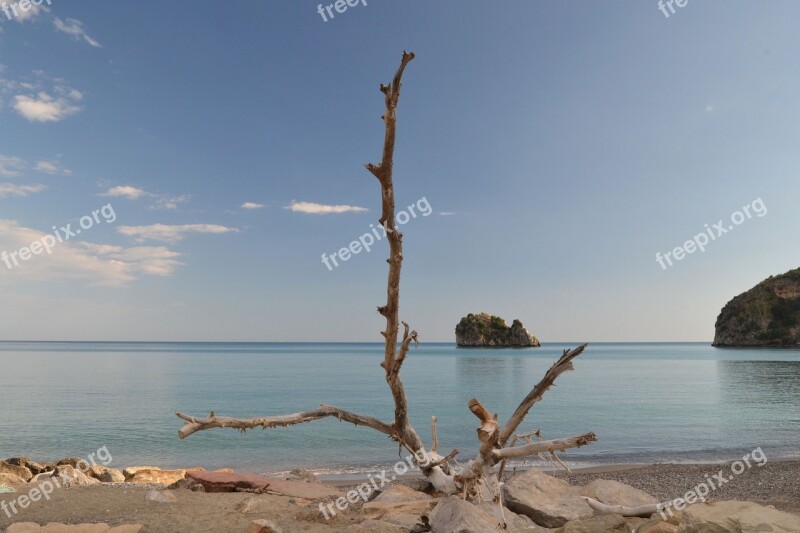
column 560, row 145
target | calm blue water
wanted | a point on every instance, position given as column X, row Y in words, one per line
column 646, row 402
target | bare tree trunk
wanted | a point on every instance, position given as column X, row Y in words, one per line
column 477, row 478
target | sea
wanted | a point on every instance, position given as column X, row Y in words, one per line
column 646, row 402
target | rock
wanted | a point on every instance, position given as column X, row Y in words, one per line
column 247, row 505
column 376, row 526
column 598, row 524
column 766, row 315
column 453, row 514
column 550, row 502
column 231, row 481
column 263, row 526
column 736, row 517
column 16, row 470
column 657, row 526
column 152, row 475
column 483, row 330
column 299, row 474
column 34, row 467
column 74, row 462
column 421, row 484
column 616, row 493
column 385, row 510
column 105, row 474
column 188, row 484
column 67, row 476
column 11, row 479
column 401, row 493
column 159, row 496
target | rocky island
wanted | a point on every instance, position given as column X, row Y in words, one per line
column 489, row 331
column 766, row 315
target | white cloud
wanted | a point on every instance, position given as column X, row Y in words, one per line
column 74, row 28
column 11, row 167
column 126, row 191
column 24, row 15
column 171, row 233
column 321, row 209
column 252, row 205
column 51, row 167
column 447, row 213
column 11, row 189
column 45, row 108
column 98, row 264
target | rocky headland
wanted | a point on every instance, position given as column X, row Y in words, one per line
column 766, row 315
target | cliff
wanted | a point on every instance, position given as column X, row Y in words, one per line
column 766, row 315
column 489, row 331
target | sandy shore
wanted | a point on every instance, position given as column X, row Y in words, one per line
column 776, row 483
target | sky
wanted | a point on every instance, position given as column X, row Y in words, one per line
column 212, row 152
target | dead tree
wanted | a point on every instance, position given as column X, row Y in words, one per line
column 477, row 478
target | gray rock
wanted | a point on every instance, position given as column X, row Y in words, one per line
column 610, row 523
column 159, row 496
column 736, row 517
column 550, row 502
column 616, row 493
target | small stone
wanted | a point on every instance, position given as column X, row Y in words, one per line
column 263, row 526
column 159, row 496
column 247, row 505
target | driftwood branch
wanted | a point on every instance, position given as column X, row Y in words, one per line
column 556, row 445
column 641, row 510
column 193, row 425
column 564, row 364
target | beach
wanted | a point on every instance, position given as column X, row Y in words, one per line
column 776, row 484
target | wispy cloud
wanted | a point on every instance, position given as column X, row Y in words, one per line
column 252, row 205
column 11, row 189
column 51, row 167
column 322, row 209
column 171, row 233
column 97, row 264
column 169, row 202
column 447, row 213
column 74, row 28
column 126, row 191
column 11, row 167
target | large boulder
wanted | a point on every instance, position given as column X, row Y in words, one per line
column 615, row 493
column 11, row 479
column 453, row 514
column 69, row 476
column 599, row 524
column 105, row 474
column 397, row 511
column 550, row 502
column 33, row 466
column 151, row 475
column 736, row 517
column 16, row 470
